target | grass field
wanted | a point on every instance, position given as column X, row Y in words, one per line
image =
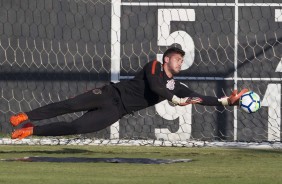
column 209, row 165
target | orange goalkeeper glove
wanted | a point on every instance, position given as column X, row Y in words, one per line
column 233, row 99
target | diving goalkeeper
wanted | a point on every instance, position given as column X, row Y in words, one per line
column 104, row 106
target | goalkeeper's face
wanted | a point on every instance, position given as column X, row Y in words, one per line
column 174, row 63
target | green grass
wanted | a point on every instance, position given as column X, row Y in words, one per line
column 209, row 165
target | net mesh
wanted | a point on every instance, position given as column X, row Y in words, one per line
column 52, row 50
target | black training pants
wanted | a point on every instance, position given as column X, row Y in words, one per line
column 103, row 106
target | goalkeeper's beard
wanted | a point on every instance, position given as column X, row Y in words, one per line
column 175, row 70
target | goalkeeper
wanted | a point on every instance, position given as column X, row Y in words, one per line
column 106, row 105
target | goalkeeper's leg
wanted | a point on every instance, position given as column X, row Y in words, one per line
column 91, row 121
column 83, row 102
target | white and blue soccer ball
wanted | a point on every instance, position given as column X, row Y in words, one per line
column 250, row 102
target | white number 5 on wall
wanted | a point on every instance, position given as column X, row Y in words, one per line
column 166, row 111
column 165, row 16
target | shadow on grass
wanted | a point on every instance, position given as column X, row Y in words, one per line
column 95, row 160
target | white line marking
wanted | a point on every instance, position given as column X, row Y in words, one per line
column 115, row 40
column 236, row 22
column 196, row 4
column 115, row 54
column 216, row 78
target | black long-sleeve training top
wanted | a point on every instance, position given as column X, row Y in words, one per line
column 151, row 85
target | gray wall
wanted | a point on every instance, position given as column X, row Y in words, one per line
column 51, row 50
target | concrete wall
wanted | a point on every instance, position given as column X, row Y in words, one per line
column 51, row 50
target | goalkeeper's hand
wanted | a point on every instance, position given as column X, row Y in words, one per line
column 233, row 99
column 185, row 101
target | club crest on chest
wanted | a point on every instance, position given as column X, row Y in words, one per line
column 97, row 91
column 170, row 84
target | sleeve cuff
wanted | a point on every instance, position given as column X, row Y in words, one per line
column 175, row 100
column 223, row 101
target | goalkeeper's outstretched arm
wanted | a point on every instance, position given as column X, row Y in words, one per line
column 232, row 100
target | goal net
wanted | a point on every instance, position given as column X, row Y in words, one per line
column 52, row 50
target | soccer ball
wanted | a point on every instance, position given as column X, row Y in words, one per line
column 250, row 102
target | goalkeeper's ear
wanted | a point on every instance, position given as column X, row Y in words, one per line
column 233, row 99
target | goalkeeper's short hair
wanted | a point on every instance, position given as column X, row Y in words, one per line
column 173, row 50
